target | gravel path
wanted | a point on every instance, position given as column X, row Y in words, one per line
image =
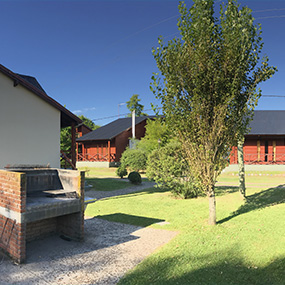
column 109, row 250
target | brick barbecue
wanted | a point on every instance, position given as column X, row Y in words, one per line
column 37, row 202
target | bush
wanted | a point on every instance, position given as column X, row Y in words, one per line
column 167, row 167
column 134, row 159
column 121, row 171
column 135, row 177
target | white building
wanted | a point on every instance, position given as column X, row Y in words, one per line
column 30, row 122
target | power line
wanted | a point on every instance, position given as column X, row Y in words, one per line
column 270, row 17
column 125, row 114
column 115, row 116
column 268, row 10
column 278, row 96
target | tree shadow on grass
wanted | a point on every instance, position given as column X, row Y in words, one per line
column 145, row 191
column 263, row 199
column 223, row 190
column 228, row 268
column 130, row 219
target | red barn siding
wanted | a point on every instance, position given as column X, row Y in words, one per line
column 261, row 150
column 122, row 140
column 82, row 130
column 97, row 151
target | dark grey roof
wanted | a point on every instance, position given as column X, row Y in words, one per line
column 264, row 123
column 112, row 129
column 32, row 80
column 268, row 123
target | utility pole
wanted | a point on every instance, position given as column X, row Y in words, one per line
column 134, row 124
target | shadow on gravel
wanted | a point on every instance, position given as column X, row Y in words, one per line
column 99, row 234
column 130, row 219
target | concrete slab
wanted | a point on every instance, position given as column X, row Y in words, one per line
column 255, row 167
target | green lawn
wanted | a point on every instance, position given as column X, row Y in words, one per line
column 247, row 246
column 107, row 184
column 99, row 172
column 103, row 172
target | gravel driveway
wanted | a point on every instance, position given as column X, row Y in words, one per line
column 109, row 250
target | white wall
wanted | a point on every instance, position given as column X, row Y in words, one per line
column 29, row 127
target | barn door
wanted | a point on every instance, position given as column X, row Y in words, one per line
column 269, row 151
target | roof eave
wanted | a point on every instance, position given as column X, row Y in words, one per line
column 67, row 117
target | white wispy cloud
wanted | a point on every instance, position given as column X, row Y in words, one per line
column 81, row 111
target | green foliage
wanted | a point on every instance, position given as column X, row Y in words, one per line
column 134, row 159
column 167, row 167
column 134, row 105
column 88, row 123
column 208, row 84
column 121, row 171
column 65, row 139
column 135, row 178
column 156, row 135
column 65, row 134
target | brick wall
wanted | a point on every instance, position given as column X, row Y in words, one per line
column 40, row 229
column 14, row 231
column 12, row 208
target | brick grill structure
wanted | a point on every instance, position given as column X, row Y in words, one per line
column 27, row 212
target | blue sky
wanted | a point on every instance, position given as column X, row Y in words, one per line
column 94, row 55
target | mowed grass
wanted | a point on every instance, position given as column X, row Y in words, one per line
column 105, row 179
column 247, row 246
column 99, row 172
column 103, row 172
column 107, row 184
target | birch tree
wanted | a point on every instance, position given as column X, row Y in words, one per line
column 207, row 84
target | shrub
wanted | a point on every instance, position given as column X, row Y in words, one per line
column 134, row 159
column 135, row 177
column 167, row 167
column 121, row 171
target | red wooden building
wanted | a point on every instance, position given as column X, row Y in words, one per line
column 107, row 143
column 82, row 130
column 265, row 143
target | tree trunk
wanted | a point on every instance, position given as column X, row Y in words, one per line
column 212, row 206
column 241, row 171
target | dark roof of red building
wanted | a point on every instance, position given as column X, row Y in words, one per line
column 112, row 129
column 29, row 82
column 267, row 122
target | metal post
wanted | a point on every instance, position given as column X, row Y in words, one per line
column 73, row 145
column 134, row 124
